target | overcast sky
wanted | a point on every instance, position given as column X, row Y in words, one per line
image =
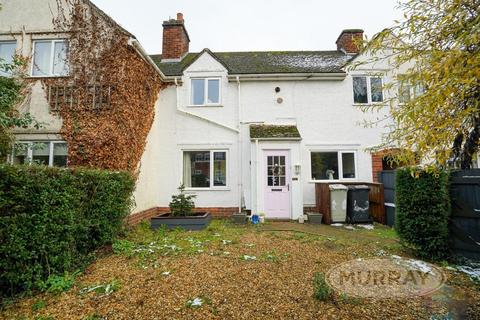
column 252, row 25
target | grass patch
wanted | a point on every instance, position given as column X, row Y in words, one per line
column 149, row 245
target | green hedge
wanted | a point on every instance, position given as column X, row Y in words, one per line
column 51, row 220
column 423, row 210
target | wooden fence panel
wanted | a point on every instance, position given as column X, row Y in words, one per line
column 376, row 198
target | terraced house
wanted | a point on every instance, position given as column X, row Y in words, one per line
column 241, row 130
column 256, row 130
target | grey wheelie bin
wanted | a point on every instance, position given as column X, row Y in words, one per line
column 338, row 202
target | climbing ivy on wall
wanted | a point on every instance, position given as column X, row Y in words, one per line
column 107, row 101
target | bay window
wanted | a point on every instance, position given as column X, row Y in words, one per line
column 205, row 91
column 49, row 153
column 333, row 165
column 204, row 169
column 50, row 58
column 367, row 89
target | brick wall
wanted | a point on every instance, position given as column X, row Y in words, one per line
column 377, row 165
column 347, row 41
column 216, row 212
column 175, row 38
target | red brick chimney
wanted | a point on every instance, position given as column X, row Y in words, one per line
column 346, row 41
column 175, row 38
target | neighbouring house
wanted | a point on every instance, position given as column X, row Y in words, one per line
column 87, row 81
column 242, row 130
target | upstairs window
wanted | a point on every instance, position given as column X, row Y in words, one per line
column 407, row 92
column 367, row 89
column 49, row 153
column 7, row 52
column 50, row 58
column 205, row 91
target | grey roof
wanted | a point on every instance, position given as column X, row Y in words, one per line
column 266, row 131
column 265, row 62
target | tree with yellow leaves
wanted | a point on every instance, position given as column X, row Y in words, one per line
column 436, row 110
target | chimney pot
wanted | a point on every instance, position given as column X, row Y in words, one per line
column 180, row 16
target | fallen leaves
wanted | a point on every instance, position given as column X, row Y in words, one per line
column 276, row 284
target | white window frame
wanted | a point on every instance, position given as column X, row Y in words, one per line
column 30, row 150
column 52, row 57
column 369, row 89
column 205, row 93
column 14, row 51
column 412, row 94
column 340, row 164
column 212, row 174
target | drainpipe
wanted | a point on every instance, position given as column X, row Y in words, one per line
column 257, row 169
column 177, row 92
column 240, row 149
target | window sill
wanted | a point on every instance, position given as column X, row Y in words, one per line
column 335, row 181
column 205, row 106
column 208, row 189
column 370, row 104
column 49, row 76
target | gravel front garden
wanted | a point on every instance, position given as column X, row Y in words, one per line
column 238, row 272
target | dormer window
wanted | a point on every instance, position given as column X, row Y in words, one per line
column 205, row 92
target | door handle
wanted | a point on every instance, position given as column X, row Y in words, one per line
column 276, row 189
column 288, row 186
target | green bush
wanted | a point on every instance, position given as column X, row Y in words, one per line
column 423, row 210
column 321, row 289
column 52, row 219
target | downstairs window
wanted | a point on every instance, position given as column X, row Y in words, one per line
column 333, row 165
column 205, row 169
column 49, row 153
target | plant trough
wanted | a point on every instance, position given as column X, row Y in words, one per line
column 181, row 214
column 198, row 221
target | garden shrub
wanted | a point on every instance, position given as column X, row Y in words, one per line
column 423, row 210
column 182, row 204
column 321, row 289
column 52, row 219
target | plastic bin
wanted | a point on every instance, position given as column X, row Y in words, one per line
column 338, row 202
column 390, row 213
column 358, row 204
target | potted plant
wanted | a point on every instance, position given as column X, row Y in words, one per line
column 181, row 214
column 314, row 217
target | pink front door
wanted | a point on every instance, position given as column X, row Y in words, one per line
column 277, row 184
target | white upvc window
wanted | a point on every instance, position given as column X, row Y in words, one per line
column 367, row 89
column 50, row 58
column 333, row 165
column 407, row 92
column 49, row 153
column 205, row 92
column 7, row 52
column 205, row 169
